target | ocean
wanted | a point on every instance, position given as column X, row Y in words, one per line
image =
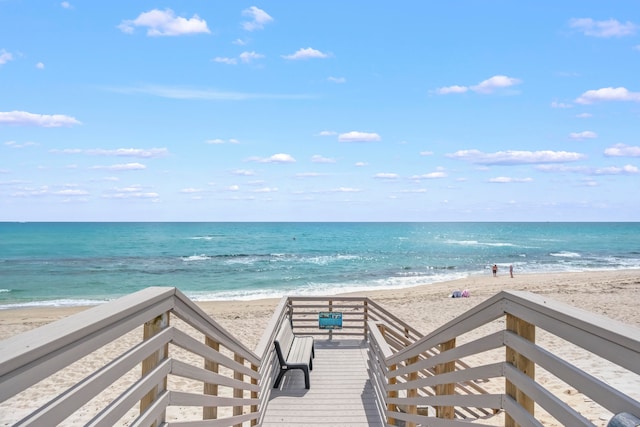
column 67, row 264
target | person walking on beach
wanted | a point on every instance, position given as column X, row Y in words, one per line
column 511, row 271
column 495, row 270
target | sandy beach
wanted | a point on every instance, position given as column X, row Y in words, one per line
column 609, row 293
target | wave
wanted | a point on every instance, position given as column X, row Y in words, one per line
column 58, row 303
column 478, row 243
column 4, row 290
column 565, row 254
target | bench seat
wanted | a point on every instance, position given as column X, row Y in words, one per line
column 294, row 352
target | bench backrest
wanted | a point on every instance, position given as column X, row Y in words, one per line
column 284, row 340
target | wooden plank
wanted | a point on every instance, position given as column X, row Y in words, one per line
column 152, row 328
column 543, row 397
column 45, row 350
column 602, row 393
column 181, row 339
column 119, row 407
column 58, row 409
column 341, row 392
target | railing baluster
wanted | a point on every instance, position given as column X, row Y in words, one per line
column 527, row 331
column 150, row 329
column 445, row 389
column 211, row 412
column 238, row 392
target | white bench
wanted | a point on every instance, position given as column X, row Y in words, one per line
column 294, row 352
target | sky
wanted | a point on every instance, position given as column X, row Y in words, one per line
column 319, row 110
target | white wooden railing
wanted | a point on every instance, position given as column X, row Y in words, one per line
column 427, row 374
column 154, row 358
column 174, row 357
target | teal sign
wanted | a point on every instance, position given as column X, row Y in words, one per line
column 330, row 320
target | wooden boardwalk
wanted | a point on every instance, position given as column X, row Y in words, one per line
column 341, row 393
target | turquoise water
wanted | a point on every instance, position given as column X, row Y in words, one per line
column 59, row 264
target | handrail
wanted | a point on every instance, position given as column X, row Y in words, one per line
column 439, row 379
column 225, row 388
column 427, row 372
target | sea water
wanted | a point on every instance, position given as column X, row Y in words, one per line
column 57, row 264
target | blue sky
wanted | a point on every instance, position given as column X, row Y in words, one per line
column 319, row 111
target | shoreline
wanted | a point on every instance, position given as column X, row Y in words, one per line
column 580, row 289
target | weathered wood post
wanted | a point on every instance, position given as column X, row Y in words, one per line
column 412, row 409
column 254, row 394
column 211, row 412
column 446, row 412
column 150, row 329
column 238, row 392
column 527, row 331
column 366, row 319
column 392, row 394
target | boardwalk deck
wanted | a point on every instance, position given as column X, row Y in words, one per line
column 341, row 393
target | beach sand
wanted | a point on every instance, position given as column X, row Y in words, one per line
column 611, row 293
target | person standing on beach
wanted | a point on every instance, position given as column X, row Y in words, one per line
column 511, row 271
column 495, row 270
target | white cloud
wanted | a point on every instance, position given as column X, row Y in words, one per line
column 14, row 144
column 507, row 180
column 248, row 57
column 608, row 28
column 233, row 188
column 306, row 53
column 337, row 79
column 361, row 164
column 494, row 83
column 23, row 118
column 452, row 89
column 71, row 192
column 223, row 60
column 426, row 153
column 119, row 152
column 122, row 167
column 5, row 57
column 432, row 175
column 258, row 18
column 487, row 86
column 355, row 136
column 321, row 159
column 556, row 104
column 244, row 172
column 204, row 94
column 584, row 115
column 309, row 175
column 587, row 134
column 346, row 190
column 276, row 158
column 327, row 133
column 66, row 5
column 608, row 94
column 513, row 157
column 190, row 190
column 165, row 23
column 218, row 141
column 622, row 150
column 265, row 190
column 614, row 170
column 40, row 66
column 386, row 175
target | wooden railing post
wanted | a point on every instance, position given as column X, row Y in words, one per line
column 330, row 309
column 238, row 392
column 254, row 394
column 527, row 331
column 150, row 329
column 211, row 412
column 412, row 409
column 392, row 394
column 366, row 319
column 446, row 412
